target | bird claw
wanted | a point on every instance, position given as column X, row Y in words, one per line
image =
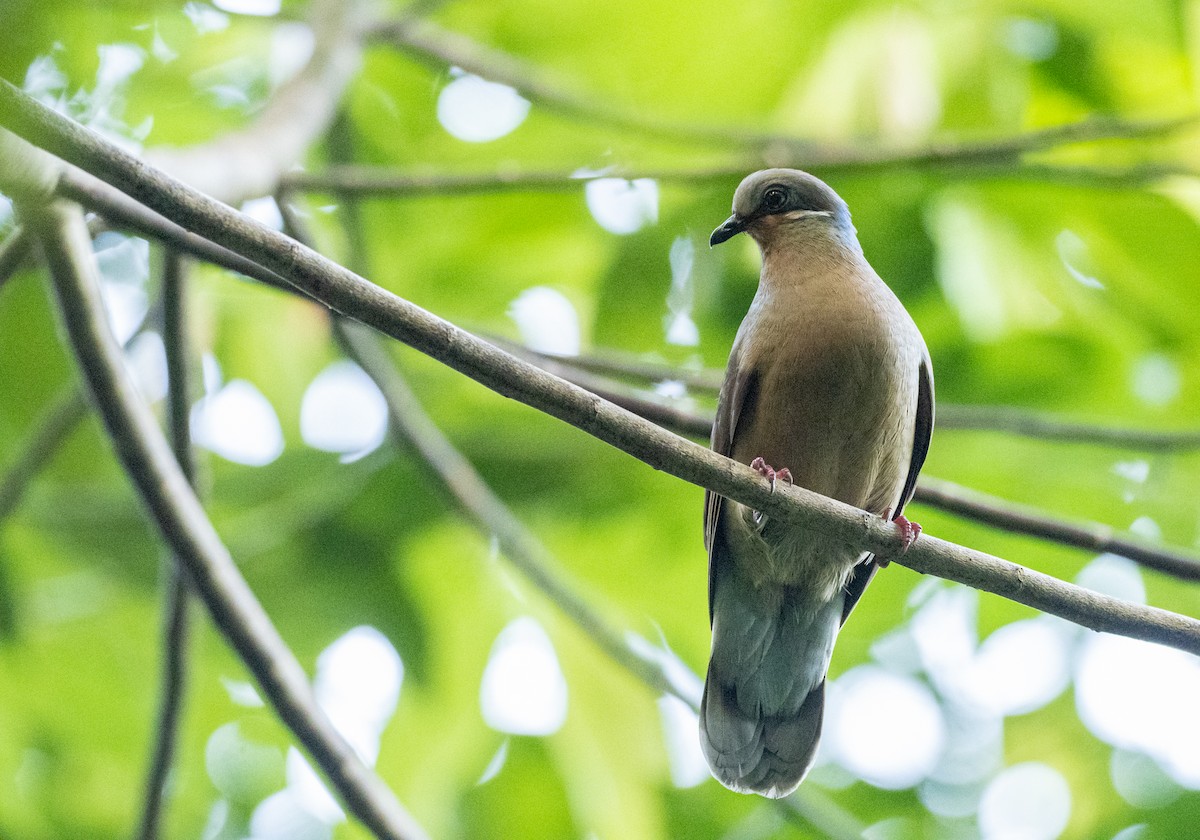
column 908, row 530
column 770, row 473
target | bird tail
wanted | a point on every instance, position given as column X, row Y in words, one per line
column 764, row 697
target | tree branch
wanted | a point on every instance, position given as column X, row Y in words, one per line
column 174, row 508
column 348, row 294
column 176, row 600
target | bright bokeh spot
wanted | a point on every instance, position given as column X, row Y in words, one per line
column 887, row 728
column 343, row 411
column 478, row 111
column 621, row 206
column 547, row 321
column 1156, row 379
column 523, row 691
column 358, row 685
column 239, row 424
column 681, row 729
column 146, row 359
column 265, row 210
column 1142, row 697
column 258, row 8
column 286, row 815
column 205, row 18
column 1141, row 781
column 1028, row 801
column 680, row 327
column 1111, row 574
column 124, row 264
column 1021, row 667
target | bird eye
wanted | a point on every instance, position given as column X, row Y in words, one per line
column 774, row 199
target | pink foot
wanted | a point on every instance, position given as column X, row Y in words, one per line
column 770, row 473
column 908, row 530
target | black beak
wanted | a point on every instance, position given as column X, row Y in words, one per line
column 730, row 228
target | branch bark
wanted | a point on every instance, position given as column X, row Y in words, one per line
column 350, row 295
column 174, row 508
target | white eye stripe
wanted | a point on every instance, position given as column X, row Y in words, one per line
column 800, row 214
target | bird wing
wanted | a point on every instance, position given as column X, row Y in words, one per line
column 922, row 432
column 739, row 389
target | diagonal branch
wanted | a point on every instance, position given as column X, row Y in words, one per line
column 345, row 292
column 174, row 508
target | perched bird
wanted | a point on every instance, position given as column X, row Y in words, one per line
column 829, row 386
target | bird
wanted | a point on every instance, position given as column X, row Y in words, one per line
column 829, row 386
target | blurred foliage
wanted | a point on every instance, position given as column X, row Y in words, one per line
column 1066, row 298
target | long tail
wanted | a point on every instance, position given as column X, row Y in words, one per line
column 764, row 698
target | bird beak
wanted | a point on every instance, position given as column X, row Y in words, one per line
column 730, row 228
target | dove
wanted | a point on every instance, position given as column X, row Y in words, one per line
column 829, row 386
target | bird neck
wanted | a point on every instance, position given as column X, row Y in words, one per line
column 799, row 256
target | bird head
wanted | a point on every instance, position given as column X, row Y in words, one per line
column 773, row 200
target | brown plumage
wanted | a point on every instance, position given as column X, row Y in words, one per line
column 828, row 378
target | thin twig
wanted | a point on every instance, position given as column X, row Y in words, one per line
column 346, row 293
column 933, row 492
column 173, row 507
column 13, row 252
column 1022, row 519
column 1028, row 423
column 176, row 599
column 50, row 430
column 441, row 48
column 997, row 418
column 370, row 181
